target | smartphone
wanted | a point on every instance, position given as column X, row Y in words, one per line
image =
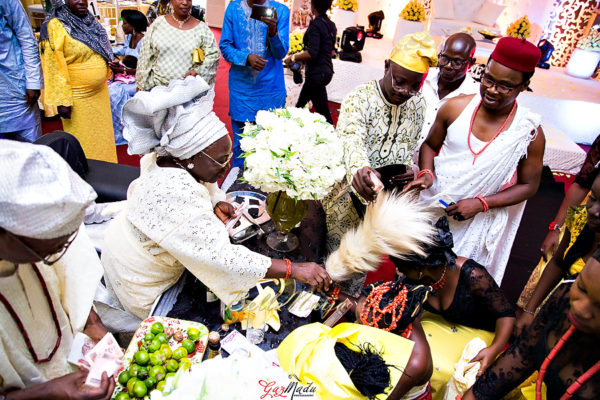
column 259, row 11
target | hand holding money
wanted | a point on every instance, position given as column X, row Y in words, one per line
column 367, row 183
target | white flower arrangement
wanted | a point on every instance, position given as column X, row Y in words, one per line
column 292, row 150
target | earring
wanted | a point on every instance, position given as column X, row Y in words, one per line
column 420, row 274
column 190, row 166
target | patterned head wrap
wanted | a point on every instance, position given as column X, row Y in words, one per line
column 40, row 195
column 415, row 52
column 87, row 30
column 177, row 120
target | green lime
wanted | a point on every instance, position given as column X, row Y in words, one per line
column 154, row 345
column 140, row 389
column 172, row 365
column 151, row 382
column 180, row 353
column 185, row 363
column 141, row 357
column 149, row 336
column 142, row 373
column 155, row 358
column 169, row 374
column 189, row 345
column 160, row 385
column 158, row 372
column 193, row 334
column 122, row 396
column 130, row 384
column 166, row 350
column 162, row 338
column 157, row 328
column 124, row 377
column 133, row 370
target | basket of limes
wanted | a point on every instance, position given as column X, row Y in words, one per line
column 159, row 348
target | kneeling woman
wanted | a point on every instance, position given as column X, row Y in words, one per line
column 390, row 331
column 175, row 210
column 561, row 343
column 466, row 303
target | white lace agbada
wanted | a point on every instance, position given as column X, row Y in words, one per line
column 488, row 237
column 169, row 225
column 72, row 283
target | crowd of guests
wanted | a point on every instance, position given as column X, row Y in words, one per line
column 466, row 150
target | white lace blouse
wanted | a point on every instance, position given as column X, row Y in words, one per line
column 168, row 225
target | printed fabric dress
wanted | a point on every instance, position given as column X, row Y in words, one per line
column 374, row 133
column 167, row 53
column 75, row 75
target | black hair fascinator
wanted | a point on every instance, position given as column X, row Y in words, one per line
column 368, row 371
column 438, row 254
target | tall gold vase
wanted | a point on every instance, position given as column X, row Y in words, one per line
column 285, row 213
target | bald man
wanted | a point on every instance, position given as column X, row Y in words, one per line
column 450, row 79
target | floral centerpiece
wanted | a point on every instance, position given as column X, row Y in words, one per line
column 295, row 156
column 292, row 150
column 296, row 41
column 521, row 28
column 349, row 5
column 414, row 11
column 592, row 41
column 586, row 56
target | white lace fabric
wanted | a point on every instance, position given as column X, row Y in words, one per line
column 170, row 225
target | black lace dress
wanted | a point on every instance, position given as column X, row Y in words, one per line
column 528, row 351
column 478, row 301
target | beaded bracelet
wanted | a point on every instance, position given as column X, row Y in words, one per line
column 288, row 271
column 334, row 295
column 425, row 171
column 486, row 207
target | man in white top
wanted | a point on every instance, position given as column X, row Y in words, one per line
column 49, row 271
column 483, row 158
column 450, row 79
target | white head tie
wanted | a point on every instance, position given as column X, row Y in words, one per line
column 176, row 120
column 40, row 195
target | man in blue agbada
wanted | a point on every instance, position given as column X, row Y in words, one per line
column 255, row 50
column 20, row 74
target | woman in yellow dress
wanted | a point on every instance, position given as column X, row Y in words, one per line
column 75, row 52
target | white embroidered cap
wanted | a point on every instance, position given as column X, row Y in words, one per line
column 176, row 120
column 41, row 197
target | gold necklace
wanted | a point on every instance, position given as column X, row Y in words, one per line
column 181, row 22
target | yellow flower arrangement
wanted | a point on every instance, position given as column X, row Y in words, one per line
column 521, row 28
column 296, row 43
column 349, row 5
column 592, row 41
column 414, row 11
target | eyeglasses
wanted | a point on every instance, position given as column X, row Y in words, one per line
column 221, row 165
column 501, row 88
column 403, row 89
column 52, row 258
column 455, row 63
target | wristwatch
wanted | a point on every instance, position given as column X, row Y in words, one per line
column 553, row 226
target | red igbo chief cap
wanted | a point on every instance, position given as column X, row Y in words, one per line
column 518, row 54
